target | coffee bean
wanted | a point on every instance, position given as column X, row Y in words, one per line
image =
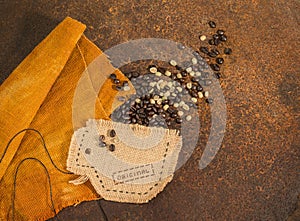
column 204, row 50
column 215, row 51
column 118, row 87
column 212, row 24
column 216, row 36
column 220, row 32
column 112, row 147
column 102, row 144
column 178, row 120
column 212, row 54
column 112, row 76
column 116, row 81
column 112, row 133
column 128, row 75
column 223, row 38
column 228, row 51
column 125, row 83
column 217, row 75
column 174, row 115
column 101, row 138
column 220, row 60
column 217, row 41
column 215, row 67
column 209, row 100
column 211, row 41
column 199, row 88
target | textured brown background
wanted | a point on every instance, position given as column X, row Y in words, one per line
column 255, row 175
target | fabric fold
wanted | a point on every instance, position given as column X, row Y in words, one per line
column 24, row 91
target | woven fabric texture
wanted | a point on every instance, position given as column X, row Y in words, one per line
column 130, row 173
column 39, row 94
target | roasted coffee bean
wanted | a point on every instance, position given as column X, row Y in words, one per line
column 216, row 36
column 112, row 147
column 184, row 73
column 212, row 54
column 174, row 115
column 193, row 79
column 223, row 38
column 212, row 24
column 209, row 100
column 220, row 32
column 101, row 138
column 215, row 51
column 128, row 75
column 220, row 60
column 112, row 133
column 112, row 76
column 116, row 81
column 227, row 51
column 211, row 41
column 204, row 50
column 118, row 87
column 199, row 88
column 217, row 42
column 133, row 120
column 178, row 120
column 125, row 83
column 217, row 75
column 102, row 144
column 194, row 94
column 215, row 67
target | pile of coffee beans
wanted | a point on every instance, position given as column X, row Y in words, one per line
column 168, row 94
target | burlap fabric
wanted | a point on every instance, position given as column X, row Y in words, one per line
column 141, row 165
column 38, row 94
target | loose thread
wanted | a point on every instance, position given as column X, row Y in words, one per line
column 44, row 145
column 45, row 168
column 102, row 210
column 15, row 185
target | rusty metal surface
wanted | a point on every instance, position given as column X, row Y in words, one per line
column 255, row 175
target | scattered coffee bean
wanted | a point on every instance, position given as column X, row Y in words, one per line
column 102, row 144
column 212, row 54
column 220, row 60
column 215, row 67
column 116, row 81
column 223, row 38
column 173, row 63
column 228, row 51
column 202, row 37
column 211, row 41
column 112, row 147
column 217, row 75
column 220, row 32
column 112, row 133
column 212, row 24
column 101, row 138
column 209, row 100
column 204, row 50
column 112, row 76
column 188, row 117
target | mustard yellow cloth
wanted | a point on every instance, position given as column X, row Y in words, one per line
column 39, row 94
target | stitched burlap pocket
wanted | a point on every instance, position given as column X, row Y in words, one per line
column 124, row 163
